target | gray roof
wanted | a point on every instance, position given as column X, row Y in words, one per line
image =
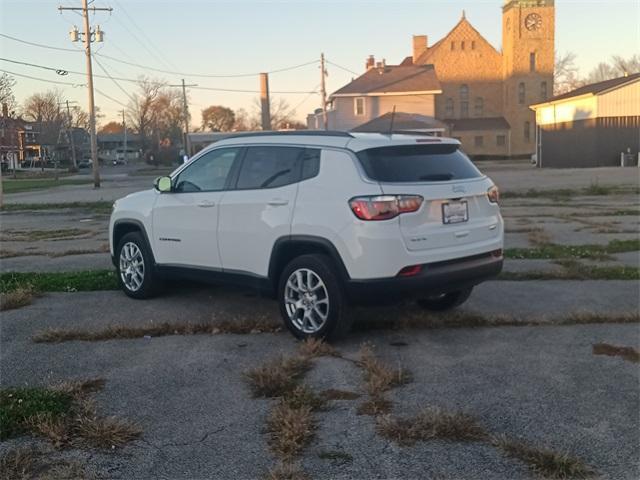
column 401, row 122
column 392, row 79
column 596, row 88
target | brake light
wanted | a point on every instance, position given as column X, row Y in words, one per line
column 410, row 271
column 384, row 207
column 493, row 194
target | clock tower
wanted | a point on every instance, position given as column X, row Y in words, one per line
column 528, row 56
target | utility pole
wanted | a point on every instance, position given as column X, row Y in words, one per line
column 185, row 111
column 70, row 135
column 323, row 91
column 92, row 107
column 124, row 126
column 265, row 104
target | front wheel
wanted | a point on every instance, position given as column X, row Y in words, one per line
column 445, row 301
column 312, row 302
column 135, row 267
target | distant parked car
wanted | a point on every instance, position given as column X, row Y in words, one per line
column 85, row 163
column 320, row 220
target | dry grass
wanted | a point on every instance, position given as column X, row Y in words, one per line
column 287, row 471
column 303, row 397
column 277, row 377
column 431, row 423
column 539, row 237
column 544, row 462
column 374, row 406
column 30, row 463
column 313, row 347
column 290, row 430
column 414, row 319
column 335, row 455
column 627, row 353
column 120, row 332
column 81, row 388
column 335, row 394
column 102, row 432
column 378, row 376
column 17, row 298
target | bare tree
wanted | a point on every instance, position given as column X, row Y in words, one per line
column 217, row 118
column 7, row 82
column 617, row 67
column 282, row 116
column 43, row 107
column 566, row 74
column 245, row 122
column 140, row 110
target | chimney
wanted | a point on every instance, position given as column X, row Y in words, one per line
column 371, row 61
column 420, row 45
column 5, row 110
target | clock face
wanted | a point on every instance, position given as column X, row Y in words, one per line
column 533, row 22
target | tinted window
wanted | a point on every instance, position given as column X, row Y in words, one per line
column 207, row 173
column 310, row 163
column 417, row 163
column 269, row 167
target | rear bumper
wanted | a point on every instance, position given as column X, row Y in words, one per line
column 439, row 277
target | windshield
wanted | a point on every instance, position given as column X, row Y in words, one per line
column 417, row 163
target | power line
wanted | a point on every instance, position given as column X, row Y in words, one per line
column 147, row 67
column 38, row 44
column 114, row 80
column 136, row 80
column 110, row 98
column 343, row 68
column 44, row 79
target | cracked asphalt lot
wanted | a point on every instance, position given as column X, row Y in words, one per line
column 539, row 384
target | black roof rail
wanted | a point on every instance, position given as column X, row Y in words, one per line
column 292, row 133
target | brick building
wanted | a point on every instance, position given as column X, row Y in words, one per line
column 486, row 93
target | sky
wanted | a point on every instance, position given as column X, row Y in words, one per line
column 208, row 37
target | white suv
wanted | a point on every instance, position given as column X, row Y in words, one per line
column 320, row 220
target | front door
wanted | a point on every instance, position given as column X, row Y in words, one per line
column 185, row 220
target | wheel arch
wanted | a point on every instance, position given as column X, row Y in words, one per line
column 129, row 225
column 287, row 248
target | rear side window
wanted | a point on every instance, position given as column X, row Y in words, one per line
column 310, row 163
column 417, row 163
column 269, row 167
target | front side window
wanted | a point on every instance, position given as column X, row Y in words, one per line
column 269, row 167
column 417, row 163
column 359, row 106
column 208, row 173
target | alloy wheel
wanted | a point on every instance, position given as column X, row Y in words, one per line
column 131, row 266
column 306, row 300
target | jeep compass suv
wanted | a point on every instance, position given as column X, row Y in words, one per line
column 320, row 220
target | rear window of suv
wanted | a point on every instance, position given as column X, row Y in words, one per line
column 417, row 163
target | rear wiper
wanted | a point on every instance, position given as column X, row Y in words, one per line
column 437, row 177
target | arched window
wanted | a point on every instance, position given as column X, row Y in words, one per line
column 449, row 108
column 532, row 62
column 543, row 90
column 464, row 100
column 527, row 132
column 478, row 107
column 521, row 93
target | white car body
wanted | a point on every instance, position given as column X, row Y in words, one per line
column 237, row 231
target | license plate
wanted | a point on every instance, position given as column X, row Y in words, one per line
column 455, row 212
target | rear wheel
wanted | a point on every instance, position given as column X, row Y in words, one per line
column 135, row 267
column 445, row 301
column 312, row 302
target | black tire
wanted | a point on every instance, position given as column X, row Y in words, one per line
column 338, row 320
column 446, row 301
column 150, row 284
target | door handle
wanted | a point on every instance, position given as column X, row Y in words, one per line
column 207, row 204
column 462, row 234
column 278, row 202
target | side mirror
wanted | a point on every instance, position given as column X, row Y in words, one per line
column 163, row 184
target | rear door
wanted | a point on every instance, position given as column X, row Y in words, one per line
column 455, row 211
column 258, row 210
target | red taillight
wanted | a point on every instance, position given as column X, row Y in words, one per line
column 384, row 207
column 497, row 253
column 410, row 271
column 493, row 194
